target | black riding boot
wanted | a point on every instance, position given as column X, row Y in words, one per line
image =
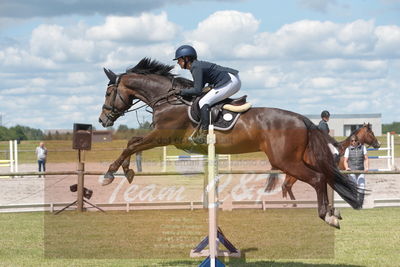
column 201, row 137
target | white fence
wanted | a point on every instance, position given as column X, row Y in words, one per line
column 202, row 158
column 389, row 155
column 12, row 162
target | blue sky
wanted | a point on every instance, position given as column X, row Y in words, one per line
column 300, row 55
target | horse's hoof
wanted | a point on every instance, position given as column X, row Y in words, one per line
column 108, row 178
column 332, row 221
column 130, row 174
column 337, row 214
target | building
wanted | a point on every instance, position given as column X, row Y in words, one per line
column 345, row 124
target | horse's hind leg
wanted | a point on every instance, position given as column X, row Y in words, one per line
column 287, row 188
column 302, row 172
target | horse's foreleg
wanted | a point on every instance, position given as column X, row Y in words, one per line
column 135, row 144
column 130, row 173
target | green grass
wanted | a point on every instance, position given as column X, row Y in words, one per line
column 61, row 151
column 294, row 237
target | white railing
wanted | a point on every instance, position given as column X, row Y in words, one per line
column 12, row 162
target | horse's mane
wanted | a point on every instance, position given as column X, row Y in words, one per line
column 356, row 131
column 148, row 66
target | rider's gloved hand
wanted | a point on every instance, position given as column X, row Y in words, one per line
column 183, row 93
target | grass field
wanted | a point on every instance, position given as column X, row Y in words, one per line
column 61, row 151
column 289, row 237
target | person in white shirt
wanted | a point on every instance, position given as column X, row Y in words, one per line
column 356, row 158
column 41, row 154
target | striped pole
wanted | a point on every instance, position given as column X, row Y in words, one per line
column 212, row 204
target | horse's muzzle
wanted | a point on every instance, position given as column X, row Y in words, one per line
column 105, row 121
column 377, row 144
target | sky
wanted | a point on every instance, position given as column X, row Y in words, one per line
column 301, row 55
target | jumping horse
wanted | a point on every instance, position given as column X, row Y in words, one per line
column 365, row 136
column 291, row 141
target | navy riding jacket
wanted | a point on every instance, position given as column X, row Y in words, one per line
column 323, row 126
column 205, row 72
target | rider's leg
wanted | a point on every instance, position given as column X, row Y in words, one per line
column 218, row 94
column 201, row 137
column 205, row 117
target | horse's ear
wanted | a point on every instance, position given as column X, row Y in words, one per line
column 111, row 75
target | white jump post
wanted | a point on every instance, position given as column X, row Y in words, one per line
column 212, row 201
column 389, row 154
column 215, row 235
column 12, row 162
column 15, row 155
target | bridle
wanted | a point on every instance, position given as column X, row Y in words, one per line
column 115, row 113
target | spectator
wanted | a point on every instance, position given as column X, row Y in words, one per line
column 41, row 154
column 139, row 161
column 356, row 158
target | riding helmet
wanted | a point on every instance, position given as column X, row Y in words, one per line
column 325, row 114
column 185, row 51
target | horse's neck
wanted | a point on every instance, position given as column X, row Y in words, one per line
column 344, row 144
column 149, row 88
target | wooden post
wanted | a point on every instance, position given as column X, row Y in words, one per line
column 81, row 182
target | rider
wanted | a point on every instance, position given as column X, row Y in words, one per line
column 224, row 82
column 323, row 124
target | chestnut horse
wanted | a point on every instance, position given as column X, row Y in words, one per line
column 365, row 136
column 285, row 137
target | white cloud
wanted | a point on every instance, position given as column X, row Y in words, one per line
column 54, row 42
column 145, row 28
column 323, row 82
column 320, row 40
column 222, row 32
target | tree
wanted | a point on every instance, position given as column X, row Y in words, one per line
column 392, row 127
column 122, row 128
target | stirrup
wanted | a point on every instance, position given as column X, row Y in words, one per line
column 201, row 137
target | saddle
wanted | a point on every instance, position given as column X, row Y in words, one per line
column 224, row 114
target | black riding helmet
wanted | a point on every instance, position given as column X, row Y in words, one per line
column 325, row 114
column 185, row 51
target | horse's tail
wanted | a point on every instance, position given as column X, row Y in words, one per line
column 325, row 163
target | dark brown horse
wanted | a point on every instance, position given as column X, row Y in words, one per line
column 365, row 136
column 291, row 141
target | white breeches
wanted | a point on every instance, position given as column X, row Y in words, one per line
column 218, row 94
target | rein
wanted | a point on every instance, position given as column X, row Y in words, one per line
column 115, row 113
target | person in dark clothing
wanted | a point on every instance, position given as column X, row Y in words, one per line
column 356, row 158
column 323, row 124
column 224, row 82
